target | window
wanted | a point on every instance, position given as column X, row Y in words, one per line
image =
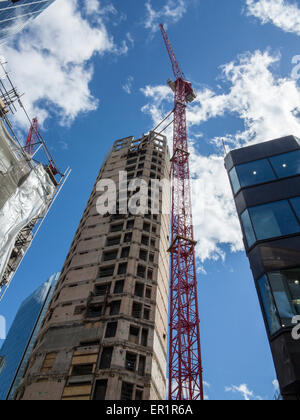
column 147, row 313
column 109, row 256
column 131, row 162
column 265, row 170
column 132, row 155
column 48, row 362
column 106, row 357
column 143, row 255
column 142, row 365
column 117, row 216
column 146, row 227
column 130, row 168
column 126, row 392
column 122, row 268
column 100, row 390
column 141, row 271
column 127, row 237
column 80, row 370
column 249, row 232
column 125, row 252
column 119, row 287
column 130, row 224
column 144, row 339
column 102, row 290
column 273, row 220
column 280, row 294
column 94, row 311
column 115, row 307
column 139, row 395
column 252, row 173
column 148, row 292
column 150, row 275
column 116, row 228
column 139, row 290
column 145, row 240
column 287, row 164
column 137, row 310
column 111, row 329
column 130, row 362
column 296, row 206
column 134, row 333
column 106, row 271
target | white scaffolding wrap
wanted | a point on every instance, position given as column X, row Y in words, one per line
column 30, row 201
column 13, row 165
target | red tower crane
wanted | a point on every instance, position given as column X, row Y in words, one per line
column 32, row 139
column 185, row 365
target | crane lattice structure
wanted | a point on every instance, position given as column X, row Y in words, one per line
column 32, row 139
column 185, row 365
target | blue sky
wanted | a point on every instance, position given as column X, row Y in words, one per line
column 94, row 72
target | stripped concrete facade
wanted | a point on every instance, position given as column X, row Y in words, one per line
column 105, row 333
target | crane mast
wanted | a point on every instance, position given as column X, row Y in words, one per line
column 185, row 364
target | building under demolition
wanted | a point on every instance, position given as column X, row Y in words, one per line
column 105, row 333
column 29, row 182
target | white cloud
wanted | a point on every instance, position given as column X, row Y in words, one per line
column 215, row 219
column 283, row 14
column 171, row 12
column 127, row 87
column 51, row 60
column 244, row 391
column 269, row 108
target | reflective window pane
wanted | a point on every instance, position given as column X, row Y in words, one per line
column 280, row 293
column 286, row 290
column 287, row 164
column 250, row 236
column 296, row 205
column 234, row 180
column 255, row 173
column 269, row 305
column 274, row 219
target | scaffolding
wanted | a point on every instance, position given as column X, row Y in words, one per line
column 29, row 184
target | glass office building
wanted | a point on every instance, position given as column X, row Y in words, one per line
column 265, row 180
column 20, row 340
column 14, row 15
